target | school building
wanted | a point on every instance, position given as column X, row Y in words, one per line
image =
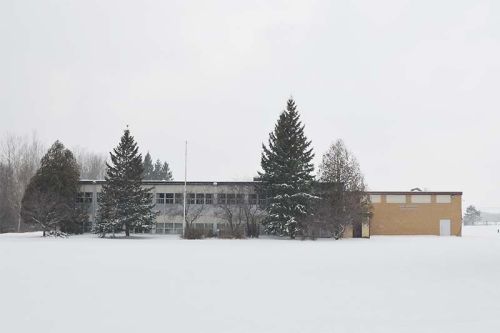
column 393, row 213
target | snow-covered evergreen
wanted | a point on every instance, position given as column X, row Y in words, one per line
column 287, row 174
column 124, row 203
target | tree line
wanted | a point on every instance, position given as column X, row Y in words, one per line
column 299, row 201
column 26, row 172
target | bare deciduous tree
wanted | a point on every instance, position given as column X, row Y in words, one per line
column 344, row 201
column 8, row 212
column 241, row 212
column 21, row 155
column 193, row 211
column 92, row 165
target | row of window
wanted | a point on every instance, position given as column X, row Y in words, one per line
column 414, row 198
column 176, row 228
column 168, row 228
column 192, row 198
column 208, row 198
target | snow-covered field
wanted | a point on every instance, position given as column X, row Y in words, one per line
column 163, row 284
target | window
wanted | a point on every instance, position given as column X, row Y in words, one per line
column 395, row 198
column 252, row 199
column 169, row 198
column 203, row 226
column 200, row 198
column 221, row 225
column 420, row 198
column 160, row 198
column 160, row 228
column 262, row 201
column 209, row 198
column 443, row 198
column 179, row 198
column 240, row 198
column 375, row 198
column 84, row 197
column 221, row 198
column 231, row 198
column 191, row 197
column 173, row 228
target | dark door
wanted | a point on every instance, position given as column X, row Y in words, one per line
column 357, row 231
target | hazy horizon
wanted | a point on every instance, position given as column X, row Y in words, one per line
column 410, row 86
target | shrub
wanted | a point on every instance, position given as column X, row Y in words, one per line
column 193, row 233
column 228, row 233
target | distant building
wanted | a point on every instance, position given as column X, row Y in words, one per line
column 394, row 213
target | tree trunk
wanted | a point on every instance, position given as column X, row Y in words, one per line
column 127, row 231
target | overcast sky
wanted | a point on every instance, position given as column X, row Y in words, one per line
column 411, row 86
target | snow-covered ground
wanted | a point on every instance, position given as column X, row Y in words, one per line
column 163, row 284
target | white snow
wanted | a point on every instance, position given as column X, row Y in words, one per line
column 163, row 284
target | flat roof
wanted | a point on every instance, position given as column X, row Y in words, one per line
column 250, row 182
column 416, row 192
column 174, row 182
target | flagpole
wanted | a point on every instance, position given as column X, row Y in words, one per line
column 185, row 188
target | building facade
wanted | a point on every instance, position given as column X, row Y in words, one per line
column 213, row 205
column 209, row 205
column 416, row 213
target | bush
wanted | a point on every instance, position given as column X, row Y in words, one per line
column 193, row 233
column 228, row 233
column 56, row 233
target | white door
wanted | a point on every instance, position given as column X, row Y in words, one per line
column 444, row 227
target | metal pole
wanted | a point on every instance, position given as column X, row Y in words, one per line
column 185, row 193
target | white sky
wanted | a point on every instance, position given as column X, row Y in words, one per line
column 411, row 86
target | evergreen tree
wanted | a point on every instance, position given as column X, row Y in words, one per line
column 50, row 197
column 472, row 215
column 165, row 173
column 157, row 170
column 106, row 222
column 287, row 175
column 148, row 167
column 124, row 203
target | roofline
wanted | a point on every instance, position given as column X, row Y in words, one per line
column 250, row 182
column 416, row 192
column 173, row 182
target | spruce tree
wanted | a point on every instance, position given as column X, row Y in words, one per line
column 148, row 167
column 50, row 197
column 125, row 204
column 287, row 175
column 157, row 170
column 165, row 173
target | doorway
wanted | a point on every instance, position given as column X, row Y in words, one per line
column 357, row 230
column 445, row 227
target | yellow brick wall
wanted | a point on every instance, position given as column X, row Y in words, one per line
column 415, row 218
